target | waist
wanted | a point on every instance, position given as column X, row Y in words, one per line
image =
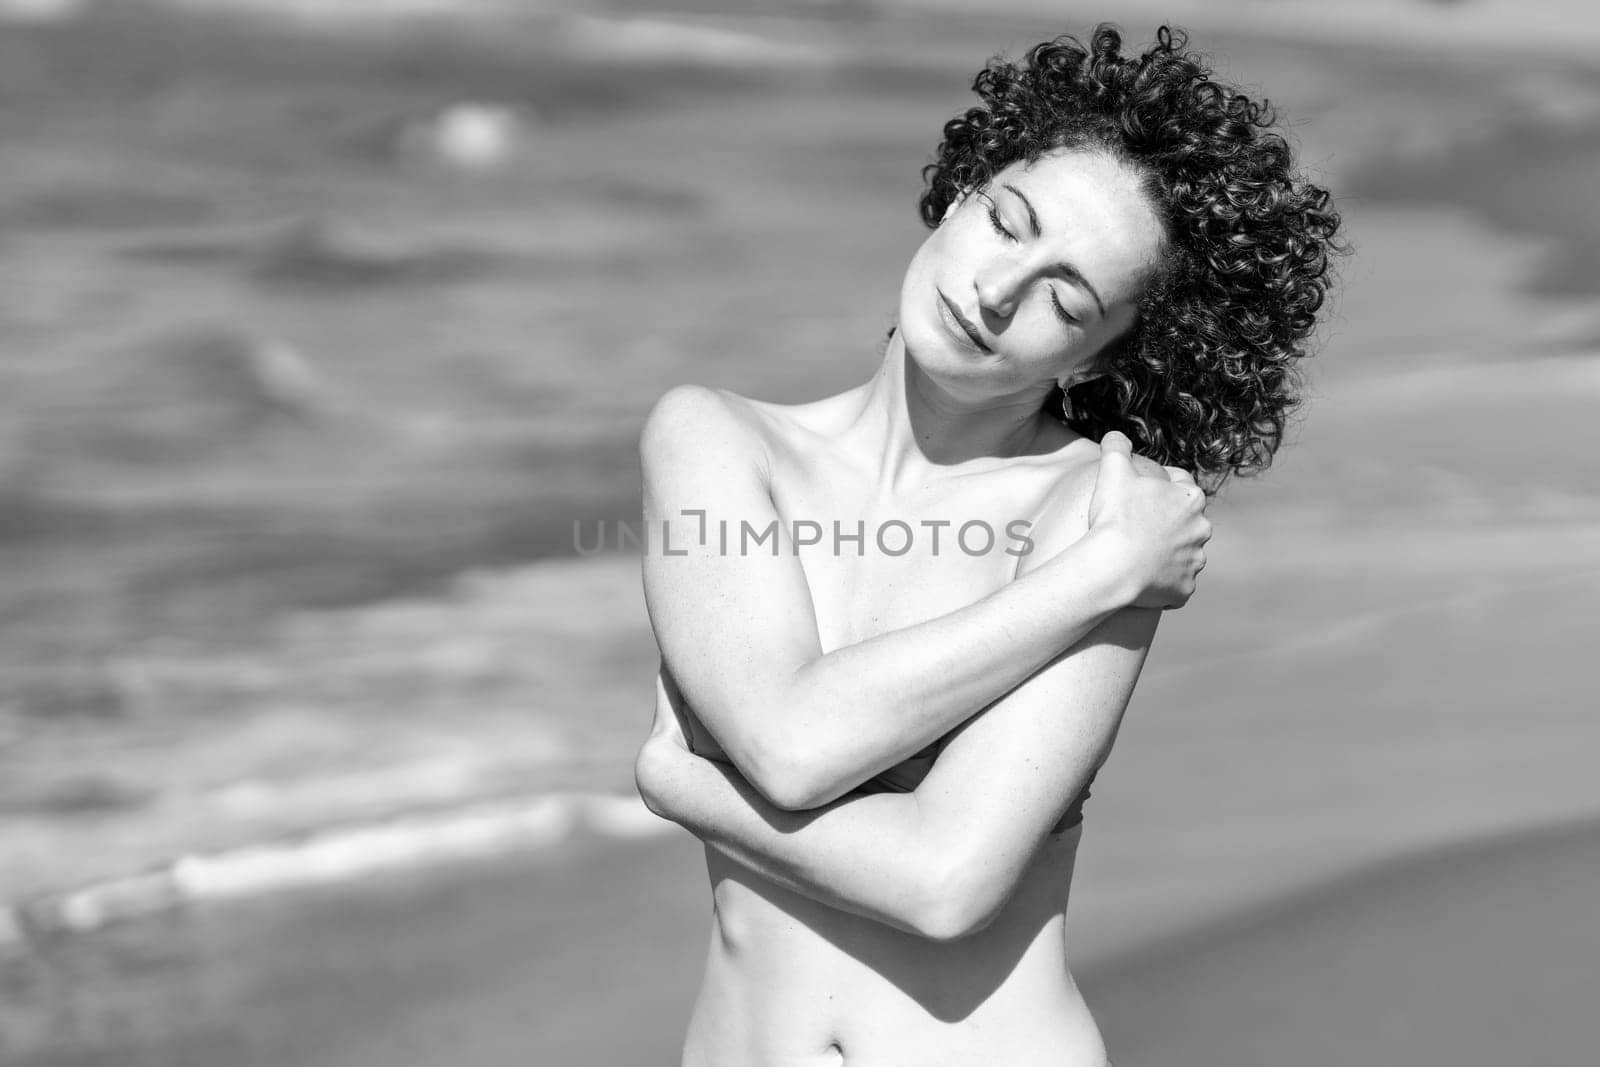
column 1058, row 1032
column 802, row 973
column 937, row 1008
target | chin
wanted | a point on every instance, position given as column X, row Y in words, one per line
column 929, row 348
column 953, row 369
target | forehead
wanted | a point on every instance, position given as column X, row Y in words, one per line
column 1091, row 208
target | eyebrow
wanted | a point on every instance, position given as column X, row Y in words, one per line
column 1068, row 269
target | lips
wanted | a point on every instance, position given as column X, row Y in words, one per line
column 965, row 325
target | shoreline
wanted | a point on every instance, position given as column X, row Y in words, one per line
column 1370, row 964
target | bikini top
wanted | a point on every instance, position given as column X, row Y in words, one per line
column 903, row 777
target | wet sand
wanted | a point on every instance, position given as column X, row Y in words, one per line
column 1482, row 955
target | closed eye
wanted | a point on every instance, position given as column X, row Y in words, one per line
column 1062, row 313
column 1000, row 228
column 994, row 220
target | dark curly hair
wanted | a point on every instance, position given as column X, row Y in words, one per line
column 1206, row 377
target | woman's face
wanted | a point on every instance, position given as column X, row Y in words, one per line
column 1044, row 267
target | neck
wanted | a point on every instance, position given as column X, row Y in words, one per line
column 923, row 431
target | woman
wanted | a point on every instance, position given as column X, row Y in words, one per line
column 885, row 736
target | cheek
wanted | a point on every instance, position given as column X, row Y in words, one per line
column 1053, row 352
column 926, row 252
column 926, row 268
column 1112, row 329
column 1040, row 333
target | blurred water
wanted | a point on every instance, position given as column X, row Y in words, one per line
column 321, row 332
column 314, row 328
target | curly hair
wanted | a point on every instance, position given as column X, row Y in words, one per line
column 1207, row 376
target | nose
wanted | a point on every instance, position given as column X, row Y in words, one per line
column 1000, row 284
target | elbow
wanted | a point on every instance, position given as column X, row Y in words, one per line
column 958, row 901
column 787, row 797
column 648, row 779
column 784, row 773
column 786, row 784
column 952, row 920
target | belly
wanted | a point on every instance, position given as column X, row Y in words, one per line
column 791, row 981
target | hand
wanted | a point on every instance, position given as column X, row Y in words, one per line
column 1156, row 516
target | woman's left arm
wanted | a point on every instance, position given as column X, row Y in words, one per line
column 939, row 862
column 942, row 860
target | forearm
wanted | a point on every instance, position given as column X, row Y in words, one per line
column 868, row 855
column 860, row 709
column 940, row 861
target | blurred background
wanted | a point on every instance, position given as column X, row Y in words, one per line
column 325, row 322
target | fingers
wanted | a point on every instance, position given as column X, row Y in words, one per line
column 1117, row 442
column 1116, row 460
column 1148, row 468
column 1193, row 493
column 1185, row 589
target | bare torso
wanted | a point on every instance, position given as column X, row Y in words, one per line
column 791, row 981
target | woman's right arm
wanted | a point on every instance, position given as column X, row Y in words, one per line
column 740, row 633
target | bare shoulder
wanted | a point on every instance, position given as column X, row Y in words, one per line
column 691, row 421
column 700, row 418
column 1064, row 515
column 685, row 410
column 1075, row 465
